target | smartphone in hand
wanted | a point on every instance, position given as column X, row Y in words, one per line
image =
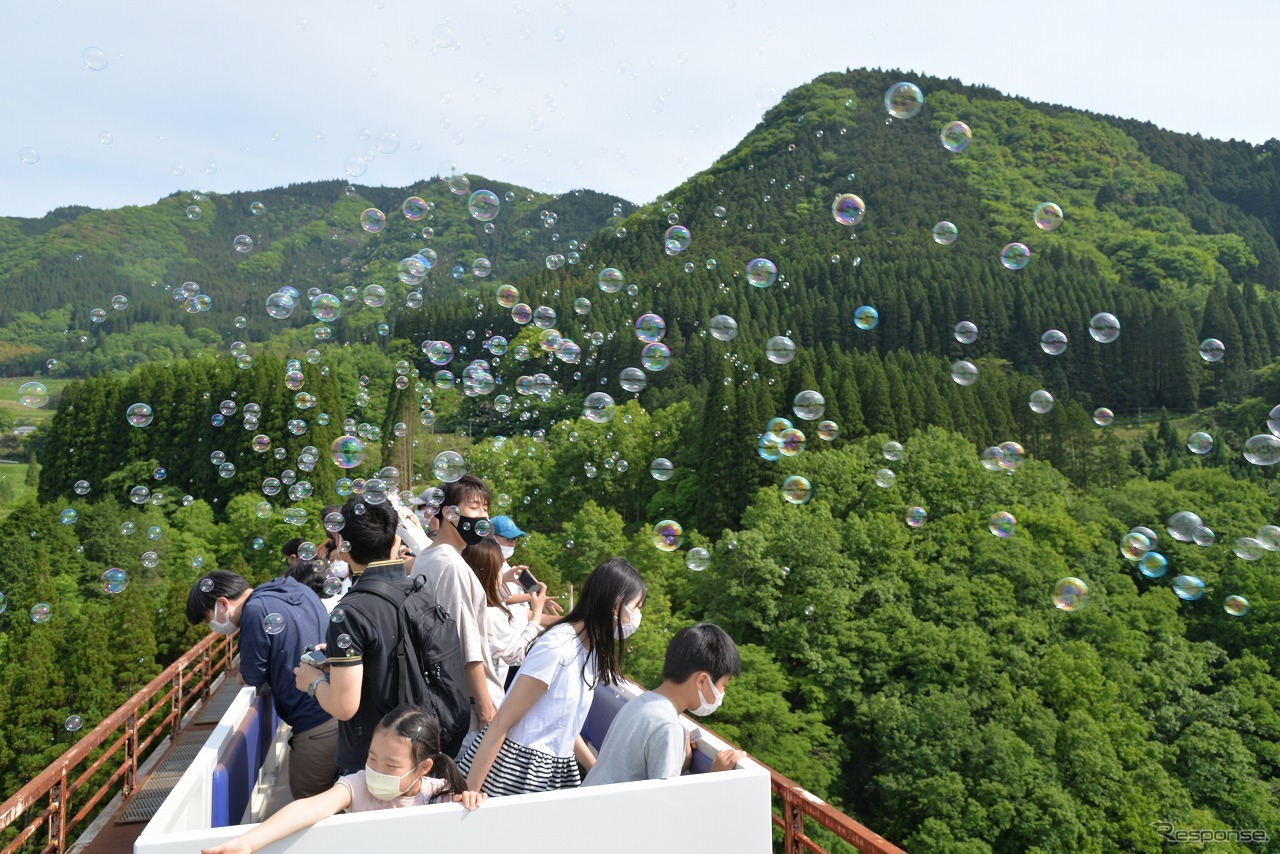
column 528, row 582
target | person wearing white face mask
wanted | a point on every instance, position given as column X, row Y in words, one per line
column 405, row 768
column 646, row 741
column 506, row 534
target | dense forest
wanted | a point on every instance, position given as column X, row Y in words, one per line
column 903, row 655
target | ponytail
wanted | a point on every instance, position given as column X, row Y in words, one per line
column 444, row 768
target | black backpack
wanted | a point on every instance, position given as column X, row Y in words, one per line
column 428, row 663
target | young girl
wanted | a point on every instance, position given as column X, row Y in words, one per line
column 511, row 630
column 532, row 743
column 406, row 768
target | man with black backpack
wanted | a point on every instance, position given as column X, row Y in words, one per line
column 389, row 642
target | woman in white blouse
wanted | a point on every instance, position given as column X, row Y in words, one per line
column 511, row 630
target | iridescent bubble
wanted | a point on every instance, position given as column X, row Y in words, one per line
column 69, row 516
column 1262, row 450
column 1011, row 455
column 767, row 447
column 916, row 517
column 484, row 205
column 848, row 209
column 448, row 466
column 1103, row 416
column 372, row 220
column 790, row 442
column 1002, row 524
column 661, row 469
column 438, row 352
column 326, row 308
column 632, row 380
column 1183, row 525
column 797, row 489
column 903, row 100
column 676, row 239
column 373, row 296
column 1134, row 545
column 81, row 487
column 865, row 317
column 114, row 580
column 966, row 332
column 1212, row 350
column 892, row 451
column 41, row 612
column 1048, row 216
column 194, row 212
column 273, row 623
column 761, row 272
column 945, row 233
column 650, row 328
column 697, row 559
column 1188, row 587
column 1153, row 565
column 725, row 328
column 347, row 452
column 1054, row 342
column 1104, row 327
column 885, row 478
column 73, row 723
column 809, row 405
column 139, row 415
column 598, row 407
column 94, row 58
column 242, row 243
column 507, row 295
column 257, row 208
column 610, row 280
column 964, row 373
column 955, row 136
column 828, row 431
column 33, row 395
column 655, row 357
column 1200, row 443
column 1236, row 606
column 481, row 267
column 1040, row 401
column 1249, row 548
column 1269, row 536
column 780, row 349
column 280, row 305
column 582, row 306
column 668, row 535
column 1015, row 256
column 1070, row 594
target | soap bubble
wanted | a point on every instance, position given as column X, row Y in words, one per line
column 448, row 466
column 885, row 478
column 945, row 233
column 1236, row 606
column 1054, row 342
column 828, row 431
column 1269, row 536
column 1188, row 587
column 1153, row 565
column 1040, row 401
column 1002, row 524
column 73, row 723
column 1200, row 443
column 273, row 624
column 761, row 272
column 964, row 373
column 326, row 308
column 797, row 489
column 81, row 487
column 650, row 328
column 281, row 305
column 892, row 451
column 139, row 415
column 372, row 220
column 1048, row 216
column 598, row 407
column 725, row 328
column 790, row 442
column 242, row 243
column 1183, row 525
column 373, row 296
column 582, row 306
column 1203, row 536
column 1070, row 594
column 484, row 205
column 33, row 395
column 655, row 357
column 94, row 58
column 29, row 155
column 668, row 535
column 1134, row 545
column 1103, row 416
column 1104, row 327
column 257, row 208
column 114, row 580
column 1014, row 256
column 661, row 469
column 68, row 516
column 41, row 612
column 916, row 517
column 506, row 295
column 903, row 100
column 809, row 405
column 1249, row 548
column 1262, row 450
column 966, row 332
column 865, row 317
column 677, row 239
column 780, row 349
column 848, row 209
column 610, row 280
column 1212, row 350
column 697, row 559
column 347, row 452
column 955, row 136
column 632, row 380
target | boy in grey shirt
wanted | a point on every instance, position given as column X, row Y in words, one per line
column 646, row 740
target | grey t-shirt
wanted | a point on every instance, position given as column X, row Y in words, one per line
column 645, row 742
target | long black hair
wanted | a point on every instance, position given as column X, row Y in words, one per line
column 485, row 560
column 423, row 732
column 610, row 585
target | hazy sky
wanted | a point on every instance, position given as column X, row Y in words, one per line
column 624, row 97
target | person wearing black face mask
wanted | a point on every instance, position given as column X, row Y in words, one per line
column 464, row 520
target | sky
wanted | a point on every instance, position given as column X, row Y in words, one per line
column 126, row 101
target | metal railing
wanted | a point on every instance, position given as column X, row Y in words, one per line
column 797, row 803
column 170, row 694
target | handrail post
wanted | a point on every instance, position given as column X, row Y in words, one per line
column 177, row 704
column 792, row 823
column 58, row 813
column 131, row 753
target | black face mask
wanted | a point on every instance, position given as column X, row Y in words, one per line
column 467, row 528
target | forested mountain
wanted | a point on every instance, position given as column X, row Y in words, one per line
column 903, row 655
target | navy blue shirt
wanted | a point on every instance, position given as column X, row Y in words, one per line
column 269, row 659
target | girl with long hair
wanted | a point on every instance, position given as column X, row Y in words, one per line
column 510, row 630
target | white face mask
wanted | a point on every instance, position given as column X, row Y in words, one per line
column 223, row 626
column 339, row 569
column 717, row 698
column 626, row 630
column 385, row 787
column 507, row 552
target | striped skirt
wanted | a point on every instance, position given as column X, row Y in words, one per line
column 519, row 770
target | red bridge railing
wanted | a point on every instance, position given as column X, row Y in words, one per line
column 795, row 803
column 156, row 710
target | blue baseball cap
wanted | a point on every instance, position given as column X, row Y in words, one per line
column 504, row 527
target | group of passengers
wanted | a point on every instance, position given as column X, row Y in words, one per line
column 528, row 671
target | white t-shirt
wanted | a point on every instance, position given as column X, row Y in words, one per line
column 552, row 725
column 509, row 638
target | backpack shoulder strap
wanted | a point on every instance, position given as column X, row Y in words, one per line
column 383, row 590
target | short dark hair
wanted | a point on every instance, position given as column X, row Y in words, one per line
column 222, row 585
column 369, row 531
column 463, row 489
column 290, row 549
column 310, row 573
column 702, row 647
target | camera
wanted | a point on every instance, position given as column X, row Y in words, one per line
column 314, row 657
